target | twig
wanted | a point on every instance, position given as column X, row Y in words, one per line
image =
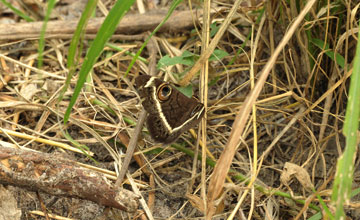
column 61, row 177
column 131, row 148
column 130, row 24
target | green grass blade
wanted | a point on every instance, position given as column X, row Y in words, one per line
column 81, row 147
column 317, row 216
column 103, row 35
column 76, row 40
column 325, row 208
column 80, row 31
column 17, row 11
column 50, row 7
column 355, row 192
column 345, row 167
column 113, row 46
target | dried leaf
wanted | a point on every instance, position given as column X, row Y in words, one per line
column 300, row 173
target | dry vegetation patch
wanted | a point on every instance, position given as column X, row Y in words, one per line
column 281, row 157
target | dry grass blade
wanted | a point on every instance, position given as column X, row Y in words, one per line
column 43, row 140
column 277, row 163
column 214, row 42
column 223, row 164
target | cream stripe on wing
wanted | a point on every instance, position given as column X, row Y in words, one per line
column 187, row 121
column 150, row 82
column 158, row 106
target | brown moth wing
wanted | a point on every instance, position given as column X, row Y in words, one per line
column 179, row 112
column 141, row 80
column 153, row 123
column 179, row 108
column 145, row 93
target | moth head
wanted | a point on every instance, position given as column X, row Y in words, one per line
column 163, row 92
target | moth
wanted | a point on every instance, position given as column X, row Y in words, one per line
column 170, row 113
